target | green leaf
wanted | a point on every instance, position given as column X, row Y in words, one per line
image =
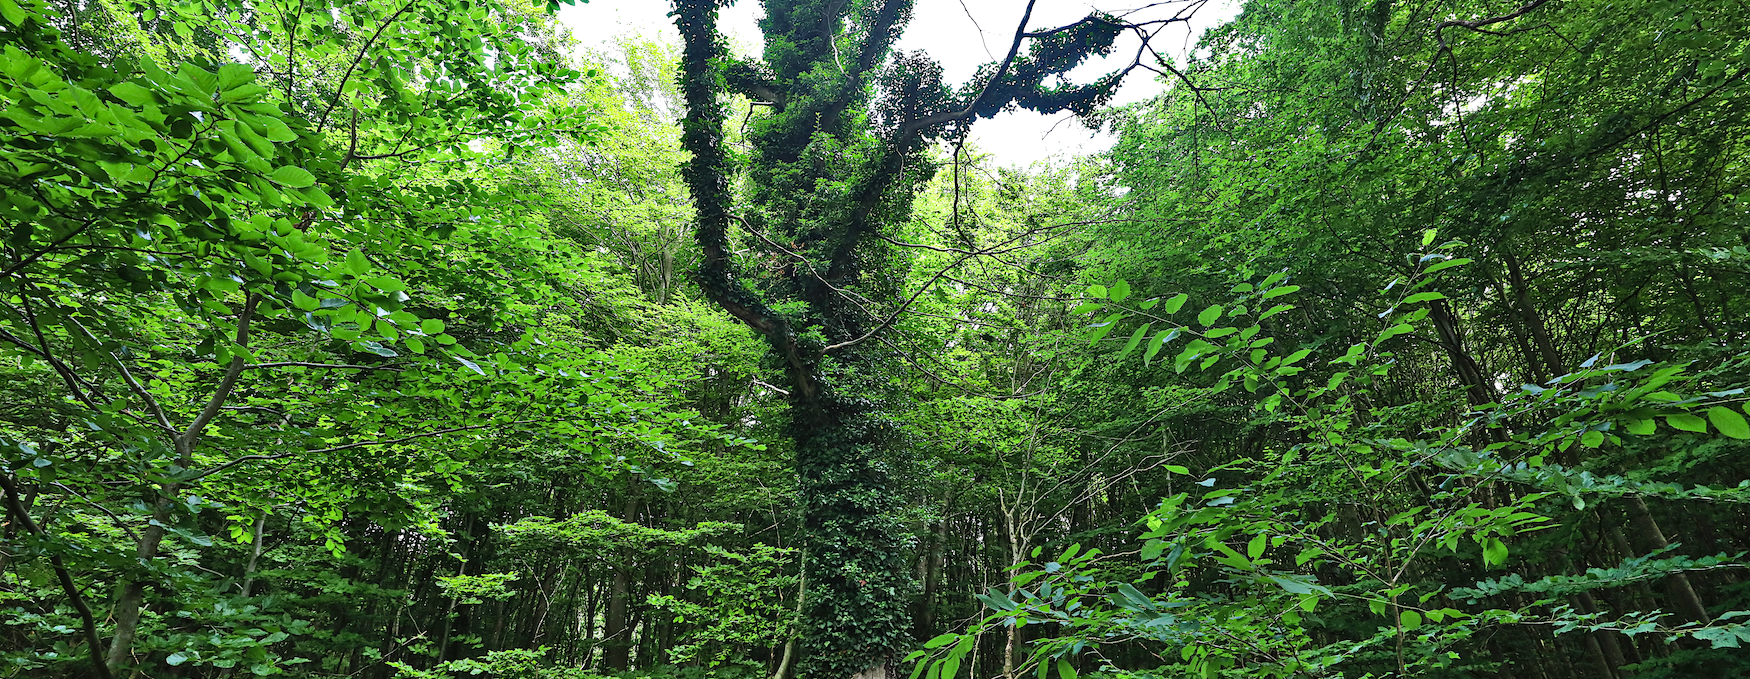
column 1065, row 670
column 1273, row 293
column 1174, row 303
column 131, row 93
column 356, row 263
column 1119, row 291
column 1275, row 310
column 1159, row 341
column 1394, row 331
column 1420, row 297
column 1135, row 339
column 303, row 301
column 1729, row 422
column 1210, row 315
column 375, row 348
column 294, row 177
column 276, row 130
column 1100, row 330
column 1293, row 584
column 1642, row 426
column 469, row 364
column 1687, row 422
column 431, row 326
column 942, row 640
column 234, row 74
column 1494, row 552
column 1461, row 261
column 1719, row 637
column 1410, row 619
column 1592, row 439
column 11, row 11
column 1255, row 548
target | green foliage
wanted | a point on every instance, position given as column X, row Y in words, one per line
column 402, row 339
column 745, row 600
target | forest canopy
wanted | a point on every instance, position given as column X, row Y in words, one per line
column 417, row 339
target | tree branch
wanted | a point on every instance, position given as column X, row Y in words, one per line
column 912, row 127
column 93, row 644
column 340, row 88
column 188, row 438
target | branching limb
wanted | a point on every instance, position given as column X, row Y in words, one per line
column 187, row 439
column 68, row 587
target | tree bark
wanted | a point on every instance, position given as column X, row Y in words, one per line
column 617, row 638
column 1677, row 585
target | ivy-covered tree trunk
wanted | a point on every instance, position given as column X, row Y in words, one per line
column 837, row 156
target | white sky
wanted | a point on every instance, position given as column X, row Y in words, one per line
column 949, row 30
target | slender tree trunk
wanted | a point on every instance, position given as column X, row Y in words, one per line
column 1478, row 388
column 617, row 640
column 133, row 595
column 934, row 561
column 1677, row 585
column 1531, row 319
column 255, row 555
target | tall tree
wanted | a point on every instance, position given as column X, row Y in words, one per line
column 835, row 161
